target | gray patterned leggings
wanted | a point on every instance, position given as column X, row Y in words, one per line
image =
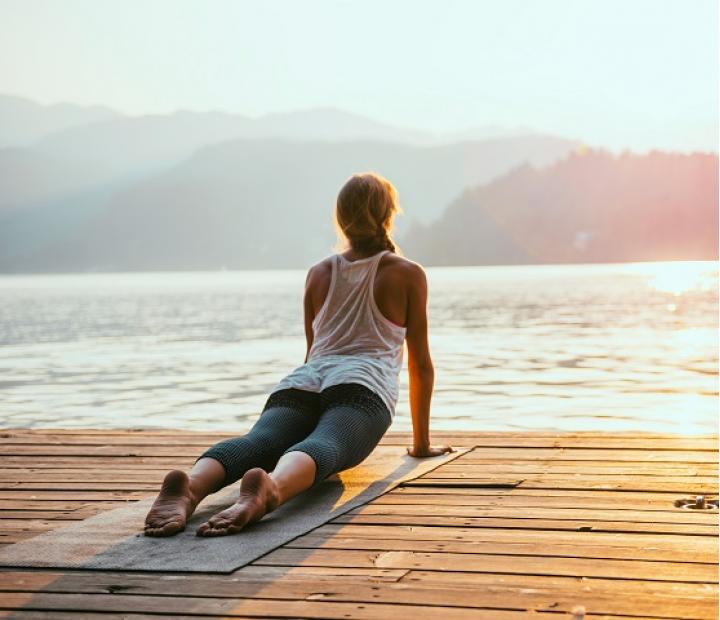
column 338, row 427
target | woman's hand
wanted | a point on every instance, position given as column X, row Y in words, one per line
column 425, row 451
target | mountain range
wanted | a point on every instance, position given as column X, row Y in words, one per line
column 90, row 189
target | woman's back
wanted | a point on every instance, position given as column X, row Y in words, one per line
column 352, row 340
column 350, row 321
column 390, row 286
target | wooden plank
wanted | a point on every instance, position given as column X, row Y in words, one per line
column 620, row 443
column 81, row 452
column 627, row 483
column 635, row 586
column 550, row 475
column 144, row 472
column 57, row 515
column 705, row 545
column 138, row 431
column 426, row 591
column 190, row 583
column 528, row 453
column 478, row 562
column 575, row 468
column 70, row 487
column 21, row 614
column 570, row 513
column 413, row 495
column 120, row 432
column 172, row 439
column 614, row 441
column 78, row 476
column 478, row 455
column 464, row 438
column 313, row 608
column 638, row 498
column 568, row 548
column 630, row 587
column 466, row 433
column 31, row 508
column 59, row 462
column 130, row 474
column 222, row 585
column 148, row 488
column 53, row 495
column 11, row 525
column 581, row 525
column 59, row 465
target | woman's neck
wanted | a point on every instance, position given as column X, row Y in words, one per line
column 353, row 254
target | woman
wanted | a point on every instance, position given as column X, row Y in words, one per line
column 327, row 415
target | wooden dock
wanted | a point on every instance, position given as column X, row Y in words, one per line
column 572, row 525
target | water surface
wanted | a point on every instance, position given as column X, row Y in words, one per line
column 578, row 347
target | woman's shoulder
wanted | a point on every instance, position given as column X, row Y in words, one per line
column 321, row 268
column 402, row 265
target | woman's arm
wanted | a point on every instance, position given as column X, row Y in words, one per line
column 317, row 285
column 421, row 372
column 308, row 314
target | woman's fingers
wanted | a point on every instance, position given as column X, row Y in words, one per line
column 430, row 451
column 437, row 451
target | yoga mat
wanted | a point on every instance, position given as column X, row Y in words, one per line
column 113, row 540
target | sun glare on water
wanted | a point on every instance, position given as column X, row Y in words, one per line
column 676, row 278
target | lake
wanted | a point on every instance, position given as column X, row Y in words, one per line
column 573, row 347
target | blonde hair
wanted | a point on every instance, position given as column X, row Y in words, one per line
column 364, row 212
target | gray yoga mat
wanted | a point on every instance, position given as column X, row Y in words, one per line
column 113, row 540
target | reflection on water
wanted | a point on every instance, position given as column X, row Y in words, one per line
column 574, row 347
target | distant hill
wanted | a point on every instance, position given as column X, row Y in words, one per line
column 126, row 146
column 52, row 153
column 27, row 176
column 589, row 207
column 116, row 146
column 23, row 122
column 245, row 203
column 131, row 145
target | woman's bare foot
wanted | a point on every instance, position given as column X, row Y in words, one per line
column 258, row 496
column 173, row 506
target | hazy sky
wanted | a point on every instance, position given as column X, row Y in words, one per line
column 620, row 73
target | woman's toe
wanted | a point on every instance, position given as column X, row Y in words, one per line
column 204, row 527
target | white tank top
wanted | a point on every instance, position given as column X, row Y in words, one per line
column 353, row 342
